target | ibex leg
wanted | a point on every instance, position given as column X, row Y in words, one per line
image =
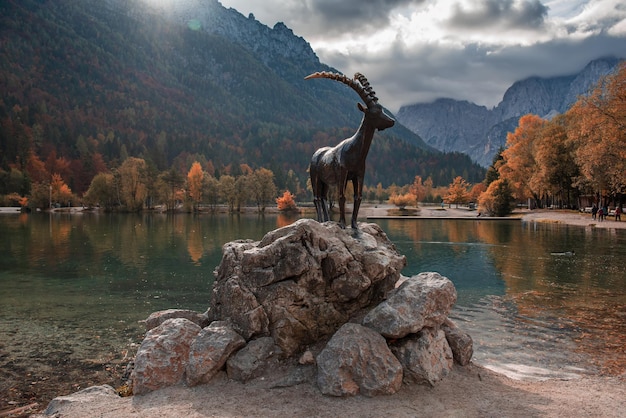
column 357, row 185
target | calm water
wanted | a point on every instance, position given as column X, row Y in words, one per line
column 73, row 287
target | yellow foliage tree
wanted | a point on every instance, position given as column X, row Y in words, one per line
column 403, row 200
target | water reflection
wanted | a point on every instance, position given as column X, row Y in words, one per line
column 81, row 283
column 550, row 296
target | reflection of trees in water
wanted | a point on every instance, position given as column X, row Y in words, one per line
column 572, row 291
column 583, row 294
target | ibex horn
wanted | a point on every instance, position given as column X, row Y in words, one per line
column 363, row 87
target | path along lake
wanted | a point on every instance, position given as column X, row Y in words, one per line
column 540, row 300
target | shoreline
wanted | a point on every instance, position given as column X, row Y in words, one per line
column 591, row 395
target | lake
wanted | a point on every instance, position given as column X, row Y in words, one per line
column 540, row 300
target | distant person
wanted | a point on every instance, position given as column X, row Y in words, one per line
column 600, row 214
column 618, row 212
column 594, row 211
column 605, row 212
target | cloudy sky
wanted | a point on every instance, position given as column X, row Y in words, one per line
column 419, row 50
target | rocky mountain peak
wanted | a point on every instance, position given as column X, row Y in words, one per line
column 454, row 125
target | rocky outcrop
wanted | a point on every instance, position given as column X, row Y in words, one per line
column 163, row 355
column 426, row 357
column 302, row 282
column 460, row 342
column 422, row 301
column 358, row 360
column 209, row 351
column 157, row 318
column 314, row 303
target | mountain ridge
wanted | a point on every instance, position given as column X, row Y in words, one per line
column 437, row 124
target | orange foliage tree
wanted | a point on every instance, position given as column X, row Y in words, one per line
column 520, row 163
column 286, row 201
column 597, row 128
column 458, row 191
column 403, row 200
column 194, row 183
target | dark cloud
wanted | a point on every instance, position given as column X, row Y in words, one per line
column 348, row 16
column 476, row 73
column 513, row 14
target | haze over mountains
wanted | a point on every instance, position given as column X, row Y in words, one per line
column 453, row 125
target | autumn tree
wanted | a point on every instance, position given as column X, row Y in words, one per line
column 169, row 186
column 457, row 192
column 286, row 202
column 262, row 187
column 498, row 199
column 242, row 192
column 227, row 191
column 556, row 167
column 210, row 190
column 195, row 179
column 102, row 192
column 403, row 200
column 597, row 127
column 418, row 190
column 59, row 191
column 520, row 165
column 132, row 183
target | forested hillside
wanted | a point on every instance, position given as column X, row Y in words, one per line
column 87, row 84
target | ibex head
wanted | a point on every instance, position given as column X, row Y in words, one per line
column 374, row 112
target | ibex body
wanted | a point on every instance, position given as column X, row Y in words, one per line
column 346, row 161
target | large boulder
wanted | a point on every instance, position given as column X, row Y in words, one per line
column 157, row 318
column 357, row 360
column 420, row 301
column 163, row 355
column 253, row 360
column 425, row 357
column 209, row 351
column 302, row 282
column 460, row 342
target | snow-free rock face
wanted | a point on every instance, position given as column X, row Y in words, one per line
column 163, row 355
column 426, row 356
column 421, row 301
column 302, row 282
column 209, row 351
column 457, row 125
column 357, row 360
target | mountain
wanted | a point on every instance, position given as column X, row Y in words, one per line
column 88, row 83
column 453, row 125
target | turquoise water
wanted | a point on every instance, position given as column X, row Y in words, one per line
column 73, row 288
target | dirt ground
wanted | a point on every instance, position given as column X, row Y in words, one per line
column 468, row 392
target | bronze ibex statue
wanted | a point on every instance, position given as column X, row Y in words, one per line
column 336, row 165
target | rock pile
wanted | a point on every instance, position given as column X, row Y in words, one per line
column 310, row 302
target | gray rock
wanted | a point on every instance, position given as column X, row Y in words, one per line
column 253, row 360
column 157, row 318
column 357, row 360
column 57, row 405
column 163, row 355
column 460, row 342
column 420, row 301
column 300, row 283
column 209, row 351
column 426, row 356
